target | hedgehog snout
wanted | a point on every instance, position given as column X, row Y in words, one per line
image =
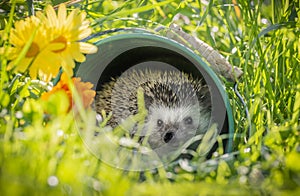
column 169, row 136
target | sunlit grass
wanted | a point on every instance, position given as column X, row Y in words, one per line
column 51, row 157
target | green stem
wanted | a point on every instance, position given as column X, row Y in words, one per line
column 4, row 76
column 30, row 7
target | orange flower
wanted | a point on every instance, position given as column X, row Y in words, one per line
column 83, row 89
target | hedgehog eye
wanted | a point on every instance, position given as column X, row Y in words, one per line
column 159, row 122
column 188, row 120
column 131, row 109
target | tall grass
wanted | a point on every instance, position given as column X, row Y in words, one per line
column 38, row 157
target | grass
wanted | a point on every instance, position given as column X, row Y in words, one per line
column 40, row 157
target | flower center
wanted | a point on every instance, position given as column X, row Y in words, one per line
column 33, row 50
column 62, row 40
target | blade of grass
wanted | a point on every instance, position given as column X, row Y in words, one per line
column 132, row 11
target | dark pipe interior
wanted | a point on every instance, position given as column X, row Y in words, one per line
column 138, row 55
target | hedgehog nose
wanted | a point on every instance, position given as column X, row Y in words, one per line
column 168, row 136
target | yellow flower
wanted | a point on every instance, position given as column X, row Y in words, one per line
column 68, row 31
column 56, row 42
column 39, row 55
column 84, row 90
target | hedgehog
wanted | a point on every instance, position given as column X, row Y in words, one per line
column 178, row 105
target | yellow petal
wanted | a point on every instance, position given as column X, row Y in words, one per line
column 51, row 15
column 62, row 14
column 41, row 16
column 70, row 19
column 21, row 66
column 78, row 56
column 15, row 40
column 85, row 33
column 87, row 48
column 33, row 70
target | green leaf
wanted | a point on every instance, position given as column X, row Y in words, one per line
column 296, row 108
column 4, row 99
column 293, row 160
column 12, row 88
column 25, row 91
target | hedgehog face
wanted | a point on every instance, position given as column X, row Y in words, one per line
column 173, row 126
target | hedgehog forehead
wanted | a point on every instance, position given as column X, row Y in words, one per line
column 170, row 93
column 174, row 115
